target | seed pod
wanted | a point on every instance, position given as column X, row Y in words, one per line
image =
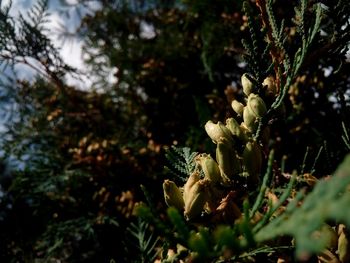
column 332, row 237
column 216, row 131
column 173, row 195
column 247, row 84
column 343, row 244
column 255, row 109
column 327, row 256
column 195, row 199
column 192, row 179
column 227, row 160
column 245, row 130
column 210, row 168
column 250, row 120
column 252, row 159
column 236, row 129
column 270, row 86
column 256, row 105
column 237, row 107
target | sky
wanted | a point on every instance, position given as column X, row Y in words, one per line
column 70, row 51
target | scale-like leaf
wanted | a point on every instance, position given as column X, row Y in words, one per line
column 181, row 162
column 326, row 202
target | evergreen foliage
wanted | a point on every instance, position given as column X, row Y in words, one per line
column 24, row 40
column 82, row 171
column 181, row 161
column 323, row 204
column 146, row 242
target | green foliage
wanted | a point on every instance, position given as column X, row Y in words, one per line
column 146, row 241
column 181, row 162
column 270, row 219
column 83, row 154
column 55, row 237
column 306, row 36
column 283, row 64
column 346, row 137
column 25, row 39
column 154, row 68
column 263, row 187
column 273, row 208
column 257, row 56
column 325, row 203
column 179, row 224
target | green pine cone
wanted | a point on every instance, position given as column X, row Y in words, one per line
column 173, row 195
column 237, row 107
column 195, row 199
column 236, row 129
column 227, row 160
column 247, row 84
column 252, row 160
column 254, row 110
column 216, row 131
column 210, row 168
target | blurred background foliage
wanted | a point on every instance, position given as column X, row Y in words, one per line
column 74, row 160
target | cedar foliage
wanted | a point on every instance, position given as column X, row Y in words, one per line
column 75, row 159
